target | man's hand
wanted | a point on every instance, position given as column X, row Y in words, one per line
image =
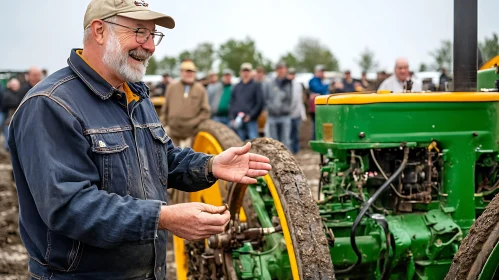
column 193, row 221
column 237, row 165
column 246, row 118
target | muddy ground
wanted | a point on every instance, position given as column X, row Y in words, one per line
column 13, row 257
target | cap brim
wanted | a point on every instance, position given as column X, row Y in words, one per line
column 158, row 18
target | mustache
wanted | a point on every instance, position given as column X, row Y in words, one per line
column 140, row 53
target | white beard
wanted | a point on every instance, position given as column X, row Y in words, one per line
column 117, row 59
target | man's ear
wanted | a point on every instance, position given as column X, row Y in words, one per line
column 97, row 27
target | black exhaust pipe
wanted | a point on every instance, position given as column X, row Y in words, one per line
column 465, row 45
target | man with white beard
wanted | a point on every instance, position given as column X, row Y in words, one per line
column 92, row 162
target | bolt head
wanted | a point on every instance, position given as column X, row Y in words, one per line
column 362, row 135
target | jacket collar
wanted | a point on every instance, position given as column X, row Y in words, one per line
column 96, row 83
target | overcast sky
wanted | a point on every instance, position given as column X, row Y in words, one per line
column 42, row 33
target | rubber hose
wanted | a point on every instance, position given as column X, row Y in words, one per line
column 366, row 207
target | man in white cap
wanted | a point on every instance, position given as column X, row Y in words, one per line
column 92, row 162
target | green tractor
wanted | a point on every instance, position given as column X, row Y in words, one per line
column 407, row 188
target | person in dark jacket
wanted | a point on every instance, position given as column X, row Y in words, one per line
column 160, row 89
column 10, row 101
column 347, row 83
column 246, row 104
column 13, row 98
column 444, row 80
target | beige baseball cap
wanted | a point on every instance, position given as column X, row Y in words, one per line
column 246, row 66
column 134, row 9
column 188, row 65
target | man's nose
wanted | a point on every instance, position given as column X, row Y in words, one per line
column 149, row 45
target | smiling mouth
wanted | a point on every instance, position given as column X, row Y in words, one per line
column 137, row 58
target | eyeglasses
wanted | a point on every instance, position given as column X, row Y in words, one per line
column 143, row 34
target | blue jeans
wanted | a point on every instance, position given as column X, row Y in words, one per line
column 279, row 128
column 220, row 119
column 295, row 135
column 248, row 131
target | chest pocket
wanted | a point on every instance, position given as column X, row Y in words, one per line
column 161, row 152
column 109, row 151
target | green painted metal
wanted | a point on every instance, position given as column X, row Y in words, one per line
column 272, row 260
column 491, row 267
column 486, row 79
column 452, row 125
column 425, row 240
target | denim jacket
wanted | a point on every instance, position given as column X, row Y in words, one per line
column 91, row 175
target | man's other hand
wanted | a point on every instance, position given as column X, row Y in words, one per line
column 238, row 165
column 193, row 221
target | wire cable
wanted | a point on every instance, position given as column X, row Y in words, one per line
column 366, row 207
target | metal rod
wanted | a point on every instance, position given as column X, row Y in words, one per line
column 465, row 46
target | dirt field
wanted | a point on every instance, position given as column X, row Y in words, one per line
column 13, row 257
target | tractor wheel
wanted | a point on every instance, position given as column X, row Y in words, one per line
column 297, row 212
column 478, row 255
column 211, row 138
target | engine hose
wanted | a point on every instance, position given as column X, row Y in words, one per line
column 366, row 207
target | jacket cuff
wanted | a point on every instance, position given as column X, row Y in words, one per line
column 210, row 178
column 152, row 210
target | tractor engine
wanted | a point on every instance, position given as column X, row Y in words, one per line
column 403, row 177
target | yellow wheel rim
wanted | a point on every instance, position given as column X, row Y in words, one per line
column 205, row 143
column 284, row 225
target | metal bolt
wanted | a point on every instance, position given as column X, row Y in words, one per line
column 475, row 134
column 362, row 135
